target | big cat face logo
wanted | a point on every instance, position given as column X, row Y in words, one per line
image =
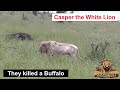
column 105, row 70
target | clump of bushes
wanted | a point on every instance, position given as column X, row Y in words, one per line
column 99, row 51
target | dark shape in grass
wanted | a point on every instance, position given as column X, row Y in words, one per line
column 20, row 36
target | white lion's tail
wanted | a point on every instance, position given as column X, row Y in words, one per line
column 79, row 54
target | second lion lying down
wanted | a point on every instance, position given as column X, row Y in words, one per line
column 52, row 47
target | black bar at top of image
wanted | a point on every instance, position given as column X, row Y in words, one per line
column 35, row 73
column 79, row 5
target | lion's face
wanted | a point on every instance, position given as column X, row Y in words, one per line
column 43, row 48
column 106, row 64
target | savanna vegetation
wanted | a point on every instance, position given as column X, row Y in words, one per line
column 95, row 40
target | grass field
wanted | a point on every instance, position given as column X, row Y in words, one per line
column 82, row 34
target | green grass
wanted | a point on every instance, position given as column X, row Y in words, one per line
column 26, row 55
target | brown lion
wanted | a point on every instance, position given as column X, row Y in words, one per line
column 106, row 64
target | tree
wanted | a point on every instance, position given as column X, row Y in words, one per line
column 35, row 13
column 72, row 12
column 12, row 12
column 24, row 17
column 61, row 11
